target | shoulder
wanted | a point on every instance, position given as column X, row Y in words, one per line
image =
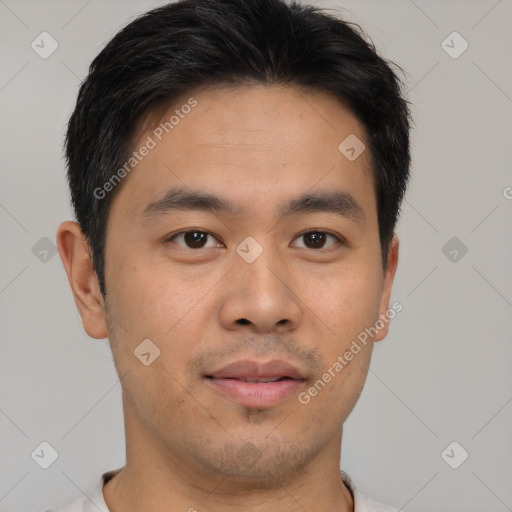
column 93, row 501
column 370, row 505
column 77, row 505
column 363, row 503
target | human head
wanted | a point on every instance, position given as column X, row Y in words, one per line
column 262, row 93
column 166, row 52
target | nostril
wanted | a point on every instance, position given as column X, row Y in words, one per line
column 243, row 321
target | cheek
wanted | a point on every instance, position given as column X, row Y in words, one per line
column 169, row 308
column 152, row 299
column 343, row 303
column 350, row 305
column 334, row 393
column 145, row 303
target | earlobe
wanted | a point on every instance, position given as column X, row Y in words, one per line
column 387, row 285
column 75, row 255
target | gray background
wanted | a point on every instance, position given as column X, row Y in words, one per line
column 444, row 372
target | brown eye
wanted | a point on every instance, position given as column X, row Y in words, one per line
column 317, row 239
column 192, row 239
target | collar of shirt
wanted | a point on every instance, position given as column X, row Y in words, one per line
column 94, row 501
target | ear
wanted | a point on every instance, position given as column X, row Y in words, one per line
column 76, row 258
column 386, row 287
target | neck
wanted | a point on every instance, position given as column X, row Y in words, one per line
column 154, row 478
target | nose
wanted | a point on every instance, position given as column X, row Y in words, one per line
column 261, row 294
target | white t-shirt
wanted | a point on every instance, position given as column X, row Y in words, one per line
column 95, row 502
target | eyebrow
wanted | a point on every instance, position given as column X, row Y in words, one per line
column 180, row 199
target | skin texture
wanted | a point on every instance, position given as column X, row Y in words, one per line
column 187, row 445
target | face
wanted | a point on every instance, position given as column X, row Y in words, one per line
column 272, row 274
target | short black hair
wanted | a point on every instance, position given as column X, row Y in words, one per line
column 172, row 49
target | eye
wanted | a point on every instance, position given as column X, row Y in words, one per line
column 317, row 239
column 196, row 239
column 193, row 239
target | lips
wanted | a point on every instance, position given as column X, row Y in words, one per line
column 256, row 384
column 263, row 379
column 272, row 370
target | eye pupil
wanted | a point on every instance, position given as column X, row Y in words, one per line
column 195, row 239
column 318, row 239
column 198, row 239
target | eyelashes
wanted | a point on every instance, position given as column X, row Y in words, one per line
column 196, row 239
column 191, row 237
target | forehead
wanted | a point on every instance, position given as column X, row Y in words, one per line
column 250, row 140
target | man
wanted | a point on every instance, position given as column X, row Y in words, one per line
column 236, row 169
